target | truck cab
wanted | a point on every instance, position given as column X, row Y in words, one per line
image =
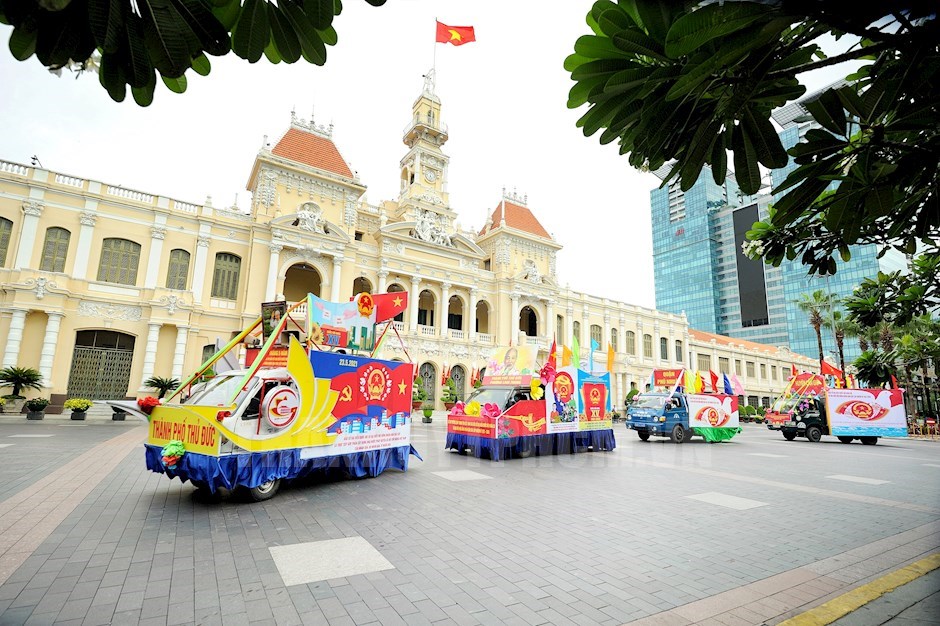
column 660, row 415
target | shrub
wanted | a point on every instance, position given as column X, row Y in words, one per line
column 449, row 391
column 162, row 384
column 20, row 378
column 36, row 404
column 418, row 394
column 77, row 404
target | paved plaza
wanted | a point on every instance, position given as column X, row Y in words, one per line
column 752, row 531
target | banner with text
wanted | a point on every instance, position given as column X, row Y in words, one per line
column 866, row 412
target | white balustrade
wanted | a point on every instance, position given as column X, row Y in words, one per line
column 186, row 207
column 71, row 181
column 13, row 168
column 456, row 334
column 130, row 194
column 485, row 338
column 399, row 326
column 427, row 331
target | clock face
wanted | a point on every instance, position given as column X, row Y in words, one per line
column 430, row 176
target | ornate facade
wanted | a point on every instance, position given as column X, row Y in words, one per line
column 102, row 287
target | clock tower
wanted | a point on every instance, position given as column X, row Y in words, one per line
column 423, row 196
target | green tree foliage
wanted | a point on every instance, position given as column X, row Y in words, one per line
column 161, row 384
column 141, row 39
column 20, row 378
column 687, row 83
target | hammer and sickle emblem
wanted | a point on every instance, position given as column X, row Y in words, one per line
column 346, row 395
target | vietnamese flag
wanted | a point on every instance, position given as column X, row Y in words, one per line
column 399, row 400
column 714, row 378
column 349, row 399
column 457, row 35
column 388, row 305
column 793, row 371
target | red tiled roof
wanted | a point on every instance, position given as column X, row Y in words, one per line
column 701, row 335
column 312, row 150
column 518, row 217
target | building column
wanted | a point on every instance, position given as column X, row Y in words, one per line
column 182, row 334
column 47, row 356
column 606, row 338
column 85, row 235
column 622, row 337
column 337, row 276
column 150, row 352
column 413, row 303
column 445, row 306
column 383, row 278
column 550, row 321
column 270, row 290
column 472, row 316
column 657, row 353
column 514, row 320
column 157, row 234
column 32, row 209
column 199, row 275
column 14, row 338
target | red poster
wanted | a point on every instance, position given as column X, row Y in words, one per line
column 522, row 419
column 472, row 425
column 666, row 378
column 277, row 357
column 595, row 402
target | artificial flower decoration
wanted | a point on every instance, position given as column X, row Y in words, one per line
column 472, row 408
column 535, row 390
column 172, row 453
column 547, row 373
column 490, row 409
column 146, row 404
column 458, row 409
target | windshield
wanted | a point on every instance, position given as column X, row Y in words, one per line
column 494, row 395
column 649, row 402
column 785, row 404
column 217, row 391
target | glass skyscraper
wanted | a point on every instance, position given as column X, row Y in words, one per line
column 700, row 268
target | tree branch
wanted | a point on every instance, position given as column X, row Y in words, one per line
column 840, row 58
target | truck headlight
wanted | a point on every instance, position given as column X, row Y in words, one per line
column 662, row 418
column 629, row 418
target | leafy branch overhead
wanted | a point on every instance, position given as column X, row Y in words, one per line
column 687, row 85
column 139, row 38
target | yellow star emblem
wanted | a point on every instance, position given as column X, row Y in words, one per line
column 397, row 301
column 401, row 387
column 454, row 35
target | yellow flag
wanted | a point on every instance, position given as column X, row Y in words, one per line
column 610, row 358
column 565, row 356
column 689, row 382
column 699, row 383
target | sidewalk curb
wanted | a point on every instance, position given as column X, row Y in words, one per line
column 860, row 596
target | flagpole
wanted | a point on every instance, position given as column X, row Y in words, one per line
column 434, row 55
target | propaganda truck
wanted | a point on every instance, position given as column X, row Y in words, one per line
column 680, row 416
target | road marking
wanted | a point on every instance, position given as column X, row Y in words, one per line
column 462, row 475
column 859, row 479
column 846, row 603
column 769, row 456
column 30, row 436
column 931, row 465
column 303, row 563
column 5, row 445
column 732, row 502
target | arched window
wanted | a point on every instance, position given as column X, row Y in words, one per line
column 6, row 227
column 225, row 276
column 629, row 342
column 663, row 348
column 613, row 339
column 597, row 336
column 680, row 358
column 55, row 249
column 178, row 270
column 362, row 285
column 119, row 261
column 648, row 346
column 576, row 331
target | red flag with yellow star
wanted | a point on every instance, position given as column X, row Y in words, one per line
column 388, row 305
column 457, row 35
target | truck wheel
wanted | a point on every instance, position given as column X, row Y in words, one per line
column 688, row 435
column 845, row 439
column 265, row 491
column 789, row 435
column 678, row 434
column 814, row 434
column 643, row 435
column 869, row 441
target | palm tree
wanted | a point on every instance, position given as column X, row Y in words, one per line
column 814, row 305
column 20, row 378
column 162, row 384
column 841, row 327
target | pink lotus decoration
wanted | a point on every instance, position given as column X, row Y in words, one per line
column 490, row 409
column 457, row 409
column 547, row 373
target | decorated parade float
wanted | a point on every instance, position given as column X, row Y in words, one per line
column 520, row 411
column 310, row 399
column 681, row 411
column 811, row 407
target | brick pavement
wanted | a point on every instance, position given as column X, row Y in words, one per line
column 598, row 538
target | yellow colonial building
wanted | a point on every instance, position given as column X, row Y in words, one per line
column 102, row 287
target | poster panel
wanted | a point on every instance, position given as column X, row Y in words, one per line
column 866, row 412
column 561, row 401
column 472, row 425
column 349, row 325
column 522, row 419
column 271, row 315
column 510, row 366
column 713, row 411
column 594, row 401
column 667, row 378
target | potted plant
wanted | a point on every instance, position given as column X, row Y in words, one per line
column 426, row 409
column 19, row 378
column 2, row 404
column 35, row 408
column 418, row 397
column 161, row 384
column 78, row 407
column 449, row 394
